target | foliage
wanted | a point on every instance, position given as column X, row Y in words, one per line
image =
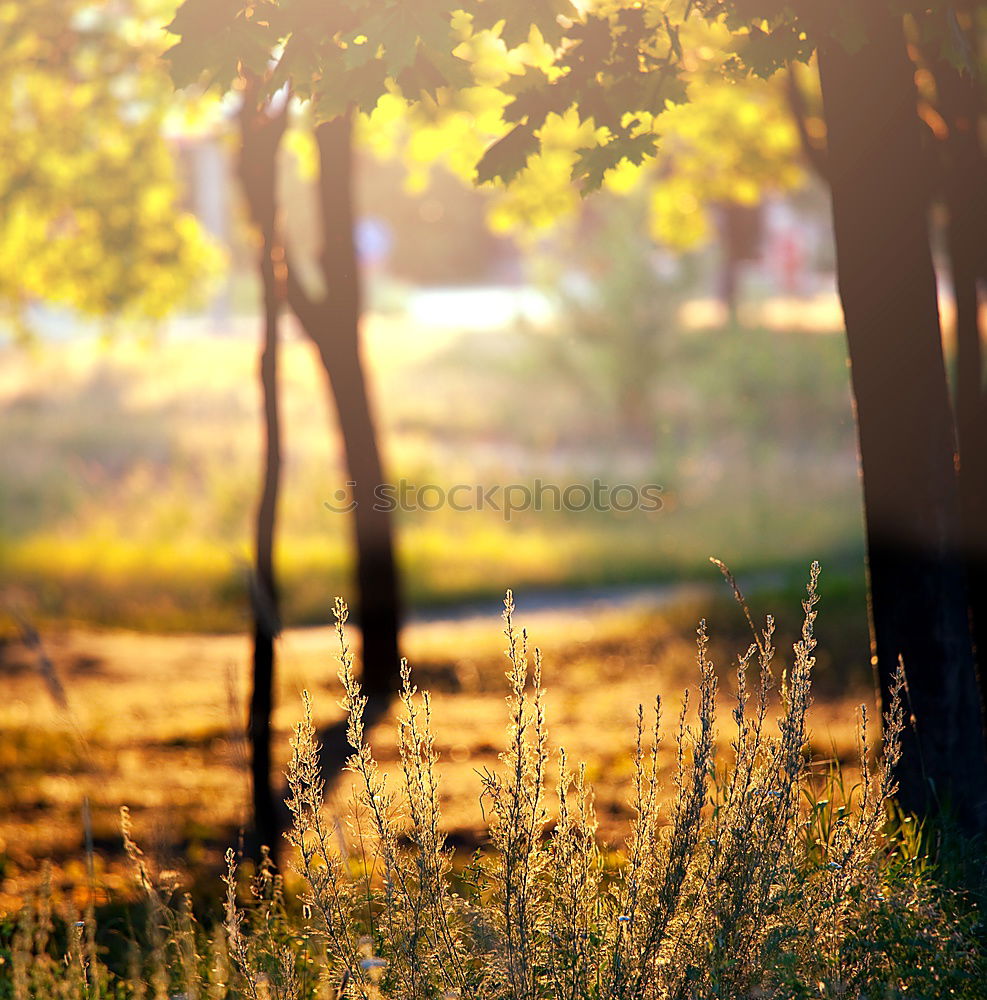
column 551, row 99
column 464, row 75
column 338, row 56
column 764, row 879
column 90, row 214
column 731, row 141
column 627, row 61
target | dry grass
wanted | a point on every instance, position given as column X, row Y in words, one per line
column 155, row 722
column 750, row 875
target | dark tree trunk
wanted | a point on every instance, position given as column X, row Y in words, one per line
column 964, row 178
column 918, row 600
column 260, row 137
column 740, row 235
column 333, row 324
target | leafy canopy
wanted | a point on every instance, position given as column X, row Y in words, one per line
column 340, row 55
column 625, row 63
column 729, row 141
column 90, row 216
column 546, row 99
column 614, row 68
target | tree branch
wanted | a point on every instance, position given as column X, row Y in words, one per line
column 302, row 304
column 816, row 155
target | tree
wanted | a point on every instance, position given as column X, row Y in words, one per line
column 261, row 130
column 341, row 59
column 616, row 72
column 90, row 215
column 919, row 605
column 339, row 69
column 616, row 68
column 959, row 102
column 332, row 321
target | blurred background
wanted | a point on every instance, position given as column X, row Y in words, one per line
column 681, row 328
column 591, row 349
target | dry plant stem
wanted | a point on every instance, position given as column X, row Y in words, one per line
column 516, row 815
column 319, row 864
column 692, row 785
column 416, row 746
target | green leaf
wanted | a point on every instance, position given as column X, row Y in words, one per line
column 424, row 77
column 299, row 63
column 594, row 161
column 216, row 39
column 340, row 88
column 594, row 40
column 508, row 156
column 185, row 64
column 536, row 98
column 204, row 17
column 402, row 27
column 518, row 17
column 766, row 52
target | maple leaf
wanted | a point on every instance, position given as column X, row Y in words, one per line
column 593, row 162
column 508, row 156
column 765, row 52
column 518, row 16
column 204, row 17
column 424, row 76
column 402, row 27
column 299, row 64
column 340, row 88
column 536, row 98
column 216, row 40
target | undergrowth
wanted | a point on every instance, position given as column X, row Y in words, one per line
column 759, row 876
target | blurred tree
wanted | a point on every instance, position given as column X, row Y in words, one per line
column 618, row 299
column 90, row 214
column 342, row 58
column 261, row 130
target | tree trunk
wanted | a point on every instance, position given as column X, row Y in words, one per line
column 265, row 598
column 965, row 190
column 918, row 599
column 261, row 135
column 740, row 235
column 333, row 324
